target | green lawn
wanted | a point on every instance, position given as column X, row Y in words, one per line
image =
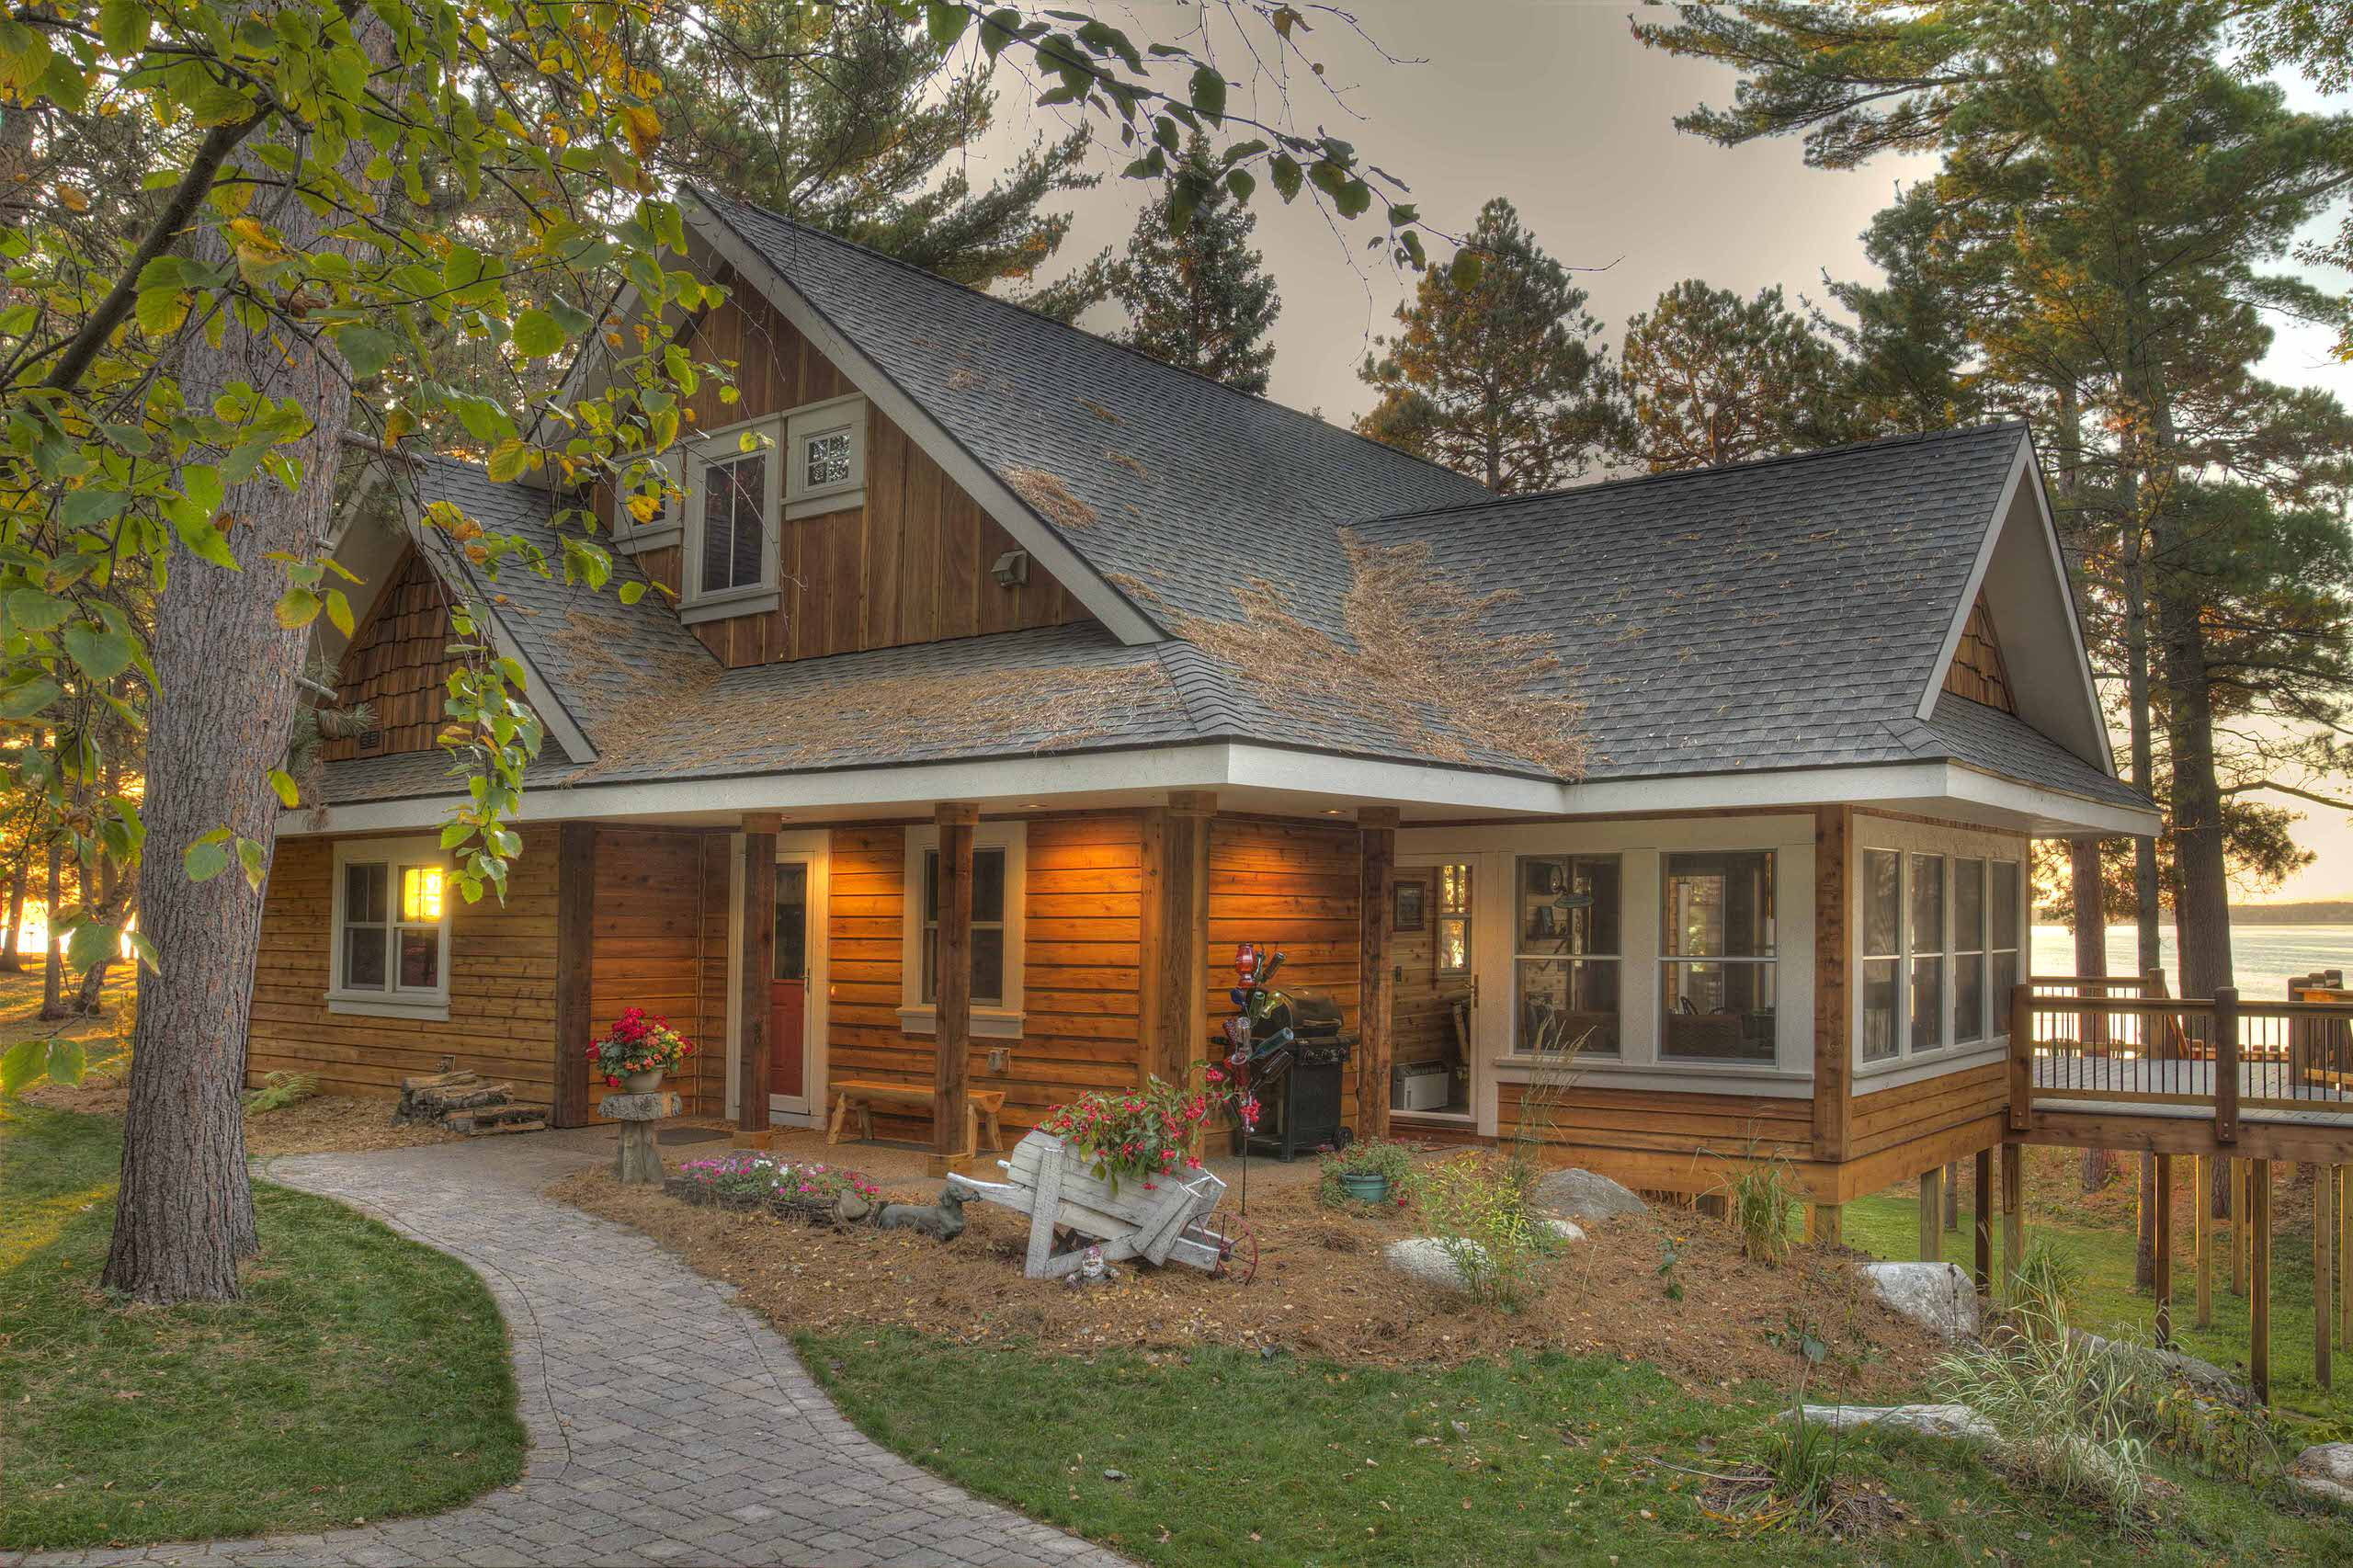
column 1889, row 1226
column 1232, row 1458
column 361, row 1376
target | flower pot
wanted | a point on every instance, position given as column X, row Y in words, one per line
column 1365, row 1186
column 641, row 1083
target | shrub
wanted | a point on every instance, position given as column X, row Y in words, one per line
column 2063, row 1411
column 2043, row 1287
column 1758, row 1201
column 1478, row 1214
column 1369, row 1156
column 279, row 1090
column 747, row 1173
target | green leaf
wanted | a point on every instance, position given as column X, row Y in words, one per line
column 145, row 951
column 631, row 592
column 1239, row 182
column 207, row 544
column 1284, row 170
column 36, row 611
column 1209, row 94
column 298, row 606
column 24, row 54
column 283, row 782
column 536, row 333
column 256, row 867
column 66, row 1060
column 91, row 940
column 21, row 1063
column 24, row 701
column 102, row 655
column 365, row 350
column 208, row 857
column 1465, row 271
column 946, row 23
column 1000, row 28
column 122, row 27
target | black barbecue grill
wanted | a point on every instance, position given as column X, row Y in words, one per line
column 1298, row 1084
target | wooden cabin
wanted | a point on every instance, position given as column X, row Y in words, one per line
column 1004, row 656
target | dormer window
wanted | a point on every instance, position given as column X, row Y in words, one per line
column 742, row 483
column 735, row 525
column 825, row 444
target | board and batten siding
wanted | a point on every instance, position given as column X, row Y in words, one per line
column 1079, row 970
column 912, row 564
column 502, row 985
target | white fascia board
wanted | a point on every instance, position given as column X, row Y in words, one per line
column 2074, row 811
column 1010, row 512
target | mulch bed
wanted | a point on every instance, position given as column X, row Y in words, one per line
column 334, row 1124
column 1322, row 1290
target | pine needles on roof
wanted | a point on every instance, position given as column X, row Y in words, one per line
column 657, row 720
column 1416, row 662
column 1051, row 497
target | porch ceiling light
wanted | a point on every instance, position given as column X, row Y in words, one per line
column 421, row 892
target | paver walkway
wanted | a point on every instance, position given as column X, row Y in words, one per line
column 755, row 1464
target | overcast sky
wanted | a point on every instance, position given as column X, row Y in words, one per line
column 1554, row 104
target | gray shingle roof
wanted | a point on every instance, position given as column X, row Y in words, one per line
column 1232, row 483
column 1993, row 742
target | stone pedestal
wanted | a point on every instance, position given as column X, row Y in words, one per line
column 638, row 1161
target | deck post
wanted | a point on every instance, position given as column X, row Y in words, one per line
column 575, row 913
column 2013, row 1212
column 2163, row 1216
column 1981, row 1257
column 2021, row 1058
column 2226, row 1065
column 2344, row 1255
column 757, row 954
column 2259, row 1278
column 2324, row 1269
column 2242, row 1225
column 1834, row 857
column 1826, row 1224
column 1376, row 998
column 2201, row 1221
column 1183, row 1004
column 1932, row 1219
column 952, row 985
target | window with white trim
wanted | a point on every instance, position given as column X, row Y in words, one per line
column 1927, row 950
column 1720, row 964
column 825, row 458
column 1883, row 955
column 390, row 929
column 732, row 494
column 1968, row 951
column 2005, row 899
column 1569, row 953
column 999, row 874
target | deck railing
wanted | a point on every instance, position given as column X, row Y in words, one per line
column 2123, row 1040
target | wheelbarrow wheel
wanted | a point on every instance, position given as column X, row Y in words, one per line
column 1237, row 1248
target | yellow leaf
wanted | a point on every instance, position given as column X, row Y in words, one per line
column 74, row 198
column 643, row 126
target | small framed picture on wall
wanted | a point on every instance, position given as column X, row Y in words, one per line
column 1413, row 905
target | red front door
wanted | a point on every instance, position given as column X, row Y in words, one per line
column 789, row 986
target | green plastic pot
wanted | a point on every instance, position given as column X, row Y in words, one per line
column 1365, row 1186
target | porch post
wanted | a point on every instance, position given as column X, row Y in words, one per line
column 1182, row 1004
column 1982, row 1256
column 2258, row 1284
column 2162, row 1249
column 2201, row 1212
column 953, row 983
column 1833, row 858
column 1377, row 992
column 575, row 910
column 2324, row 1269
column 1932, row 1219
column 757, row 953
column 2013, row 1212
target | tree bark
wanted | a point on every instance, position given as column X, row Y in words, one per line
column 12, row 959
column 52, row 969
column 221, row 721
column 2087, row 888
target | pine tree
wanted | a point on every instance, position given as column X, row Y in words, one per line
column 1201, row 300
column 1495, row 373
column 1710, row 378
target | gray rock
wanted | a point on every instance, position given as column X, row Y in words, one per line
column 1576, row 1194
column 1939, row 1295
column 2201, row 1377
column 2325, row 1471
column 1424, row 1258
column 851, row 1208
column 1567, row 1230
column 1935, row 1420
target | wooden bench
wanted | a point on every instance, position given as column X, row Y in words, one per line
column 981, row 1107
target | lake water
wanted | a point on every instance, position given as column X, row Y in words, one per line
column 2262, row 957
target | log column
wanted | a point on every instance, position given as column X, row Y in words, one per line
column 758, row 956
column 1377, row 989
column 1834, row 855
column 952, row 983
column 1181, row 1009
column 575, row 912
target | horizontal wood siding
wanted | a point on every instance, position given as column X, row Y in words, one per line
column 911, row 566
column 648, row 944
column 398, row 664
column 1297, row 886
column 1926, row 1112
column 501, row 985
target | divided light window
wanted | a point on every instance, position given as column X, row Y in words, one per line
column 988, row 927
column 1720, row 962
column 1910, row 957
column 392, row 934
column 1453, row 920
column 734, row 524
column 1570, row 909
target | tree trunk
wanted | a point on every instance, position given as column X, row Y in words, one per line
column 52, row 969
column 2087, row 889
column 12, row 960
column 2145, row 767
column 220, row 721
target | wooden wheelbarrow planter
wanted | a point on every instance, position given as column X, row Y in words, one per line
column 1161, row 1224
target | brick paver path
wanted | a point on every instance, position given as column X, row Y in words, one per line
column 755, row 1466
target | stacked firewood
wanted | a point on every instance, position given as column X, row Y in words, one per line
column 466, row 1102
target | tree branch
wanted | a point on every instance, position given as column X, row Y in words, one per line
column 2287, row 789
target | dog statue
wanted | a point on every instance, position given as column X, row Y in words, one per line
column 942, row 1221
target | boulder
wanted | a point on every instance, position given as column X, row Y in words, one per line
column 1935, row 1420
column 2201, row 1377
column 1576, row 1194
column 1567, row 1230
column 1937, row 1295
column 2325, row 1471
column 1424, row 1258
